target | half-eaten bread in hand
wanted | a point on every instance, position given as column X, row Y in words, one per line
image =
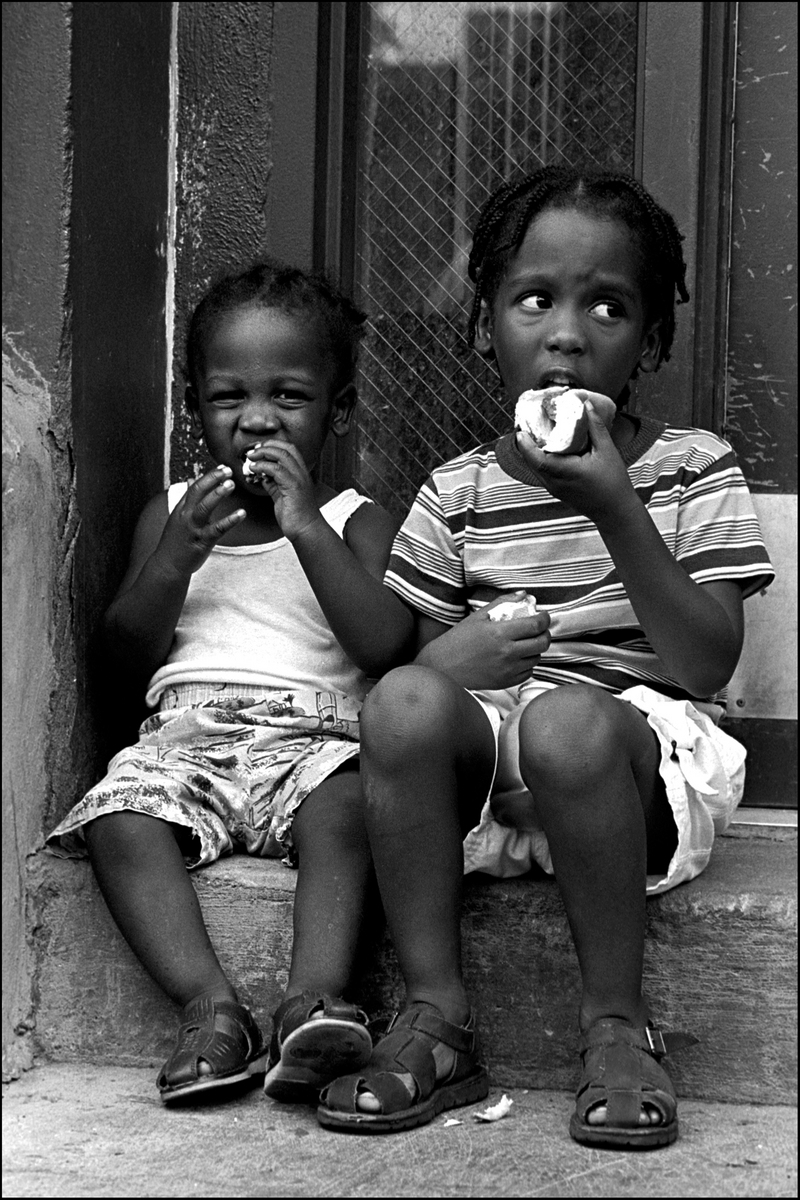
column 510, row 610
column 557, row 420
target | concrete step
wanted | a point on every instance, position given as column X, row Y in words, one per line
column 720, row 963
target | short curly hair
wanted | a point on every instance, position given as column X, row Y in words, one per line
column 270, row 283
column 504, row 220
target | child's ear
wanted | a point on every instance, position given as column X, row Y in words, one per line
column 650, row 357
column 342, row 410
column 193, row 408
column 483, row 332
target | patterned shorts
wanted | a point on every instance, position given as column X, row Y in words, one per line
column 231, row 769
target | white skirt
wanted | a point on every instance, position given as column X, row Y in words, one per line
column 702, row 769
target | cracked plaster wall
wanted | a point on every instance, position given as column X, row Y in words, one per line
column 39, row 521
column 86, row 184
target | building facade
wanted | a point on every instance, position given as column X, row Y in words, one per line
column 149, row 146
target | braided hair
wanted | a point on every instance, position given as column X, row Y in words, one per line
column 507, row 214
column 272, row 284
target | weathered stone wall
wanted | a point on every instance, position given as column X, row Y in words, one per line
column 39, row 521
column 85, row 145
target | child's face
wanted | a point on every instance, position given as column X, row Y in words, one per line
column 266, row 374
column 569, row 309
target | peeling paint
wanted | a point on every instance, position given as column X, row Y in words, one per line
column 37, row 465
column 760, row 78
column 30, row 557
column 761, row 416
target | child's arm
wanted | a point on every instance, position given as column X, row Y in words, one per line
column 695, row 629
column 479, row 653
column 168, row 548
column 368, row 620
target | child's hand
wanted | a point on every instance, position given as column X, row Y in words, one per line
column 279, row 467
column 480, row 653
column 595, row 483
column 194, row 527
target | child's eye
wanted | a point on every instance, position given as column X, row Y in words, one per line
column 609, row 310
column 225, row 398
column 291, row 399
column 536, row 301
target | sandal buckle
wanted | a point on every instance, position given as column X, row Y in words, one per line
column 656, row 1041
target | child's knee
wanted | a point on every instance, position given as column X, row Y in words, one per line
column 570, row 735
column 408, row 708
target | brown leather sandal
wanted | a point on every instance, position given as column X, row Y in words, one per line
column 220, row 1033
column 316, row 1038
column 407, row 1049
column 621, row 1070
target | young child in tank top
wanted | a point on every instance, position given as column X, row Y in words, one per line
column 253, row 611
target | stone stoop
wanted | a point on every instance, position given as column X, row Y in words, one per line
column 720, row 963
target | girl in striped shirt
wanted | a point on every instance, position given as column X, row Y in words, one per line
column 582, row 738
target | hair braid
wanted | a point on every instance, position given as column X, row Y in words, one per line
column 493, row 213
column 498, row 212
column 505, row 218
column 664, row 223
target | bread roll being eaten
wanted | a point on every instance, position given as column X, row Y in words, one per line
column 510, row 610
column 247, row 465
column 557, row 420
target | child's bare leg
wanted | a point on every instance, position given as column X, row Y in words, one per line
column 427, row 761
column 427, row 758
column 590, row 762
column 317, row 1034
column 142, row 875
column 335, row 872
column 141, row 872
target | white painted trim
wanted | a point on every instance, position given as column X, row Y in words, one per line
column 172, row 226
column 782, row 818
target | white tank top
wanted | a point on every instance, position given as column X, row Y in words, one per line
column 251, row 617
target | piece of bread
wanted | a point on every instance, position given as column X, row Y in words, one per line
column 557, row 420
column 247, row 465
column 509, row 610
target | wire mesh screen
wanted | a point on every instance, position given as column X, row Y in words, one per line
column 459, row 98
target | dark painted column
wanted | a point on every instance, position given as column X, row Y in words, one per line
column 118, row 287
column 38, row 498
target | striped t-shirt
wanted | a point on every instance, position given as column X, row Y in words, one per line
column 483, row 523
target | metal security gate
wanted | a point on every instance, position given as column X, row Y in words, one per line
column 456, row 99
